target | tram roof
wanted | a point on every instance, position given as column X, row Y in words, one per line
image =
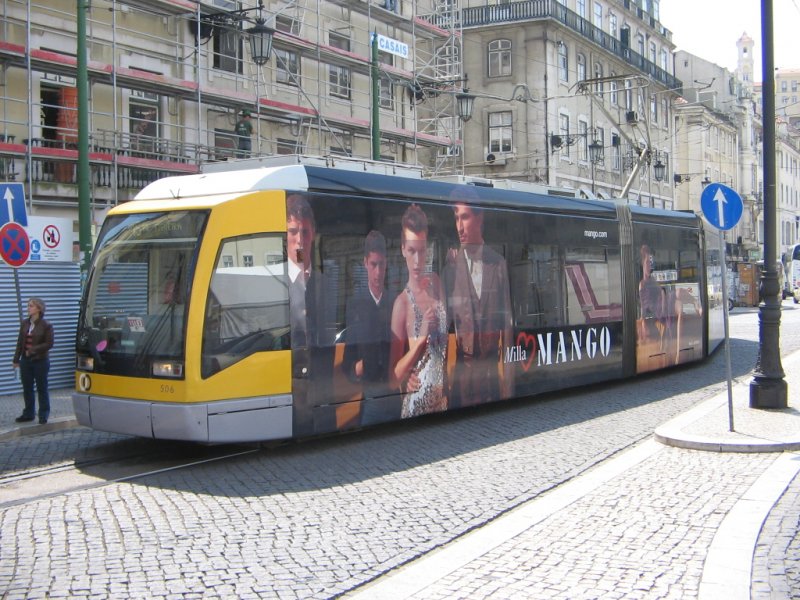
column 202, row 187
column 222, row 185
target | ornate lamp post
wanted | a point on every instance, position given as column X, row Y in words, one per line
column 768, row 388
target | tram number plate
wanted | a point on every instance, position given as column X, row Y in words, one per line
column 136, row 324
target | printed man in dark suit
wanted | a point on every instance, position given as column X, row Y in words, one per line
column 312, row 326
column 368, row 338
column 479, row 304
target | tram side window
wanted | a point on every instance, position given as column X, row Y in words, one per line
column 248, row 303
column 593, row 285
column 537, row 292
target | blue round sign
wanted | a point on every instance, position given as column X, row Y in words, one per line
column 722, row 206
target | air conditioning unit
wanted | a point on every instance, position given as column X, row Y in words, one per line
column 632, row 116
column 495, row 161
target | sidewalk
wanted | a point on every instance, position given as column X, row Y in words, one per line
column 591, row 531
column 61, row 415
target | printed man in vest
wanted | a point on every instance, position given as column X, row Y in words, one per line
column 479, row 304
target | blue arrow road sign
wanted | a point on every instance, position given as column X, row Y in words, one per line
column 722, row 206
column 12, row 204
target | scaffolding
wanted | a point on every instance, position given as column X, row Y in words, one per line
column 169, row 79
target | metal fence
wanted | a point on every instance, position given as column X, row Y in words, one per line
column 58, row 284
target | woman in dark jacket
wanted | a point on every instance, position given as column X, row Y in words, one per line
column 31, row 358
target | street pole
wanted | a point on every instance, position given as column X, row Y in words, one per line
column 768, row 388
column 376, row 101
column 84, row 212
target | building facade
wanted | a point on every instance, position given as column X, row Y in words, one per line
column 719, row 139
column 598, row 117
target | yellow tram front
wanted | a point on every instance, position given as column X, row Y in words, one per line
column 184, row 333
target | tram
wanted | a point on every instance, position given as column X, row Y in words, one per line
column 288, row 301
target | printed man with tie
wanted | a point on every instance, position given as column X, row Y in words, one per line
column 479, row 304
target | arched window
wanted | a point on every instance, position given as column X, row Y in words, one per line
column 563, row 62
column 598, row 74
column 581, row 60
column 499, row 58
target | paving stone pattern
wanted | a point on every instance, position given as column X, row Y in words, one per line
column 776, row 562
column 317, row 519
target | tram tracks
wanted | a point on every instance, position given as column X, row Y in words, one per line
column 47, row 481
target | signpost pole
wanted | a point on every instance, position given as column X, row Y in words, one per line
column 722, row 207
column 727, row 330
column 376, row 100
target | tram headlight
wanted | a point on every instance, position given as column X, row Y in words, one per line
column 85, row 363
column 167, row 369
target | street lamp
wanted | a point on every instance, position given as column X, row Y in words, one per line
column 659, row 170
column 465, row 103
column 260, row 42
column 596, row 152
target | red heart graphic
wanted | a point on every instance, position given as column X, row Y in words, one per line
column 529, row 342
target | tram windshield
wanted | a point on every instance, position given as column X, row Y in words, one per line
column 133, row 321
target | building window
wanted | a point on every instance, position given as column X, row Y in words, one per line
column 598, row 15
column 563, row 62
column 385, row 84
column 612, row 25
column 654, row 108
column 500, row 132
column 144, row 119
column 580, row 8
column 287, row 146
column 339, row 77
column 628, row 95
column 583, row 140
column 287, row 67
column 640, row 44
column 783, row 86
column 287, row 24
column 447, row 61
column 615, row 151
column 599, row 87
column 613, row 85
column 342, row 144
column 228, row 49
column 499, row 58
column 665, row 111
column 563, row 130
column 581, row 60
column 227, row 260
column 653, row 52
column 247, row 260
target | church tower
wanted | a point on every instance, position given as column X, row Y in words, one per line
column 744, row 66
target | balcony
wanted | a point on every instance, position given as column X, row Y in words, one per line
column 118, row 160
column 532, row 10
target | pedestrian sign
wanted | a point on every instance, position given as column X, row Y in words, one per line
column 15, row 247
column 12, row 204
column 722, row 206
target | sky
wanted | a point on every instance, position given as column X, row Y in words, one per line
column 710, row 29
